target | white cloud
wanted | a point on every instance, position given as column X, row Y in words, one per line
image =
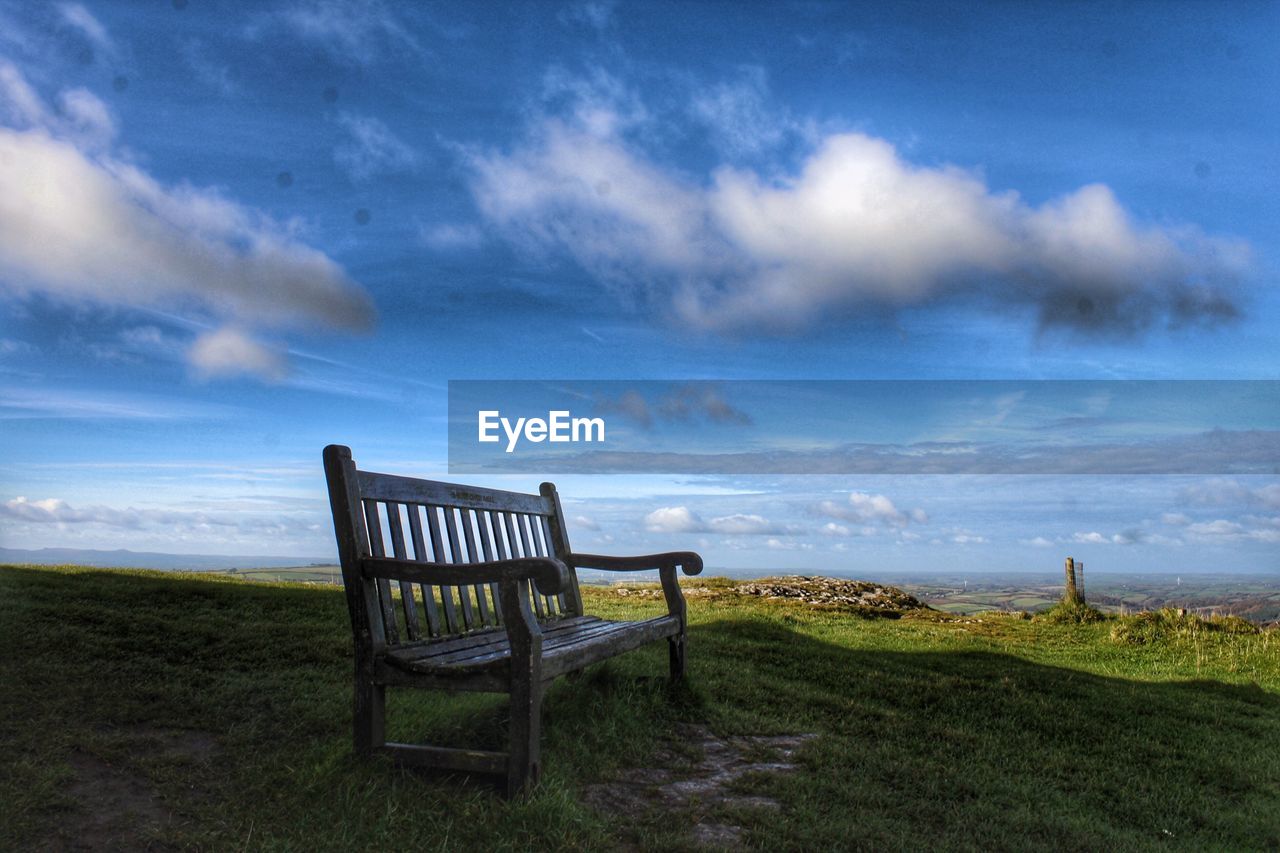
column 1092, row 537
column 58, row 512
column 1038, row 542
column 862, row 508
column 674, row 519
column 372, row 149
column 586, row 522
column 228, row 352
column 681, row 519
column 78, row 223
column 1221, row 527
column 855, row 227
column 833, row 529
column 741, row 524
column 1175, row 519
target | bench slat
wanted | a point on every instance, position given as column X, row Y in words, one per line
column 429, row 648
column 488, row 530
column 469, row 517
column 482, row 654
column 539, row 547
column 412, row 627
column 545, row 524
column 452, row 623
column 569, row 649
column 455, row 548
column 393, row 487
column 429, row 608
column 376, row 548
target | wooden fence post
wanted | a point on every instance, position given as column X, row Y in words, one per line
column 1072, row 595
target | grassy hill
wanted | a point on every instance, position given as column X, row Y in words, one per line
column 146, row 709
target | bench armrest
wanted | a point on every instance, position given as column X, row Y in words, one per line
column 551, row 575
column 688, row 561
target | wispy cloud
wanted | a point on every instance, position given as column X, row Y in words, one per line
column 72, row 404
column 372, row 149
column 448, row 237
column 738, row 117
column 209, row 72
column 80, row 19
column 351, row 31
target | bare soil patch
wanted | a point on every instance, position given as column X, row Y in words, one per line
column 696, row 772
column 116, row 805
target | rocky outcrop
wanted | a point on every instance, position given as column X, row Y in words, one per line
column 864, row 598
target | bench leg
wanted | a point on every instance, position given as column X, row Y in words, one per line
column 370, row 717
column 524, row 759
column 675, row 646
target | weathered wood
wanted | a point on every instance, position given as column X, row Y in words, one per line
column 452, row 624
column 391, row 487
column 688, row 561
column 559, row 540
column 455, row 548
column 1072, row 593
column 412, row 627
column 566, row 600
column 468, row 518
column 490, row 551
column 429, row 608
column 515, row 624
column 525, row 649
column 374, row 525
column 678, row 610
column 550, row 574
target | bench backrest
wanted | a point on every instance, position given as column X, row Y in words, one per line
column 385, row 515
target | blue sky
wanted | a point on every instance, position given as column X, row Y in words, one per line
column 231, row 233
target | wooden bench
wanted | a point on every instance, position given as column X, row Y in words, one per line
column 488, row 601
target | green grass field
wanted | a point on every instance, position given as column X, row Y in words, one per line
column 197, row 711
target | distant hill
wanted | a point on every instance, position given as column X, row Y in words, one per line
column 150, row 560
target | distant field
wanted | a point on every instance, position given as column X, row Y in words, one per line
column 305, row 574
column 1252, row 597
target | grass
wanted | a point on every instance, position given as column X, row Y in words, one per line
column 933, row 731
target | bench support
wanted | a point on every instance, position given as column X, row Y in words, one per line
column 524, row 760
column 370, row 716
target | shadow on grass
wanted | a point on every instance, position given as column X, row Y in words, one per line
column 939, row 747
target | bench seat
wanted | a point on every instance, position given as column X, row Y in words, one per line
column 567, row 644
